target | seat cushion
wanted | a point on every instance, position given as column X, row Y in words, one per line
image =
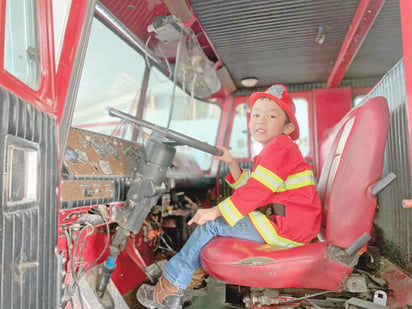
column 249, row 263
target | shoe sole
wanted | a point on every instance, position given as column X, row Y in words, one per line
column 142, row 297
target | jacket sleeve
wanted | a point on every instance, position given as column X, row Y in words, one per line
column 242, row 180
column 272, row 169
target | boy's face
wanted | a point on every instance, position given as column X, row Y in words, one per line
column 268, row 120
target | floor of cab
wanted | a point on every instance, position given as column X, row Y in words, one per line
column 213, row 297
column 398, row 289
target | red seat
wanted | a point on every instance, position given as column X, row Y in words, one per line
column 353, row 165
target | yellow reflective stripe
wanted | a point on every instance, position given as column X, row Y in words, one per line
column 298, row 180
column 229, row 212
column 267, row 178
column 242, row 180
column 268, row 232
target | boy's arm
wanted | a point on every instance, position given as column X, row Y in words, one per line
column 235, row 170
column 233, row 166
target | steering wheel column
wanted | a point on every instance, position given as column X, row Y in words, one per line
column 147, row 184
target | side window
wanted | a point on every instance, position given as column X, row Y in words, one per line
column 357, row 99
column 187, row 115
column 239, row 137
column 302, row 116
column 112, row 77
column 21, row 49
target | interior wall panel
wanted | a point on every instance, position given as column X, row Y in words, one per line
column 393, row 222
column 29, row 205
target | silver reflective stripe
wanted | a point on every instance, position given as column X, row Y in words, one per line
column 298, row 180
column 267, row 178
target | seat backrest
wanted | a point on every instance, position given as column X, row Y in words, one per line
column 353, row 165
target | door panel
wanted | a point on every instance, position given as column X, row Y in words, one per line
column 29, row 205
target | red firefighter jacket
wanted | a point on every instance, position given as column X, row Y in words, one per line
column 280, row 175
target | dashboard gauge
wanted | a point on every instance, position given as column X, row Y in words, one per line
column 71, row 155
column 131, row 153
column 98, row 145
column 113, row 150
column 105, row 166
column 82, row 155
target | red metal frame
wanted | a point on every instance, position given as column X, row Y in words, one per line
column 72, row 37
column 361, row 23
column 406, row 22
column 328, row 114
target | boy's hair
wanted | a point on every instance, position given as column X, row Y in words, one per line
column 279, row 94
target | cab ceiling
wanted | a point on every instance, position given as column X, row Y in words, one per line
column 297, row 41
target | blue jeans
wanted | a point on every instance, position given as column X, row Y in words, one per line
column 180, row 268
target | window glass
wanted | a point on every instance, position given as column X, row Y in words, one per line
column 358, row 99
column 21, row 48
column 112, row 77
column 302, row 116
column 239, row 137
column 188, row 115
column 61, row 9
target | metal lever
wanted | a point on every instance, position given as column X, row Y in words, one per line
column 357, row 244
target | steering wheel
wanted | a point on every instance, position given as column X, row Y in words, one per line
column 170, row 134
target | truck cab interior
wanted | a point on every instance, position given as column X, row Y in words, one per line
column 112, row 113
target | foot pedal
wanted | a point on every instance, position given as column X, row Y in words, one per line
column 154, row 271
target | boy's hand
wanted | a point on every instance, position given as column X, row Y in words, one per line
column 226, row 156
column 203, row 215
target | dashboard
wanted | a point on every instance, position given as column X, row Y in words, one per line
column 89, row 154
column 97, row 168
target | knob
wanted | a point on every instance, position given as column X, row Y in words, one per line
column 88, row 192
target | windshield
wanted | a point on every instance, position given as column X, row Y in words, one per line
column 113, row 76
column 182, row 113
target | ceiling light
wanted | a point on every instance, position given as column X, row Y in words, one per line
column 249, row 82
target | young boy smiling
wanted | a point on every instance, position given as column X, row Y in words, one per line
column 277, row 204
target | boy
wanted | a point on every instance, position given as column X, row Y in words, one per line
column 277, row 204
